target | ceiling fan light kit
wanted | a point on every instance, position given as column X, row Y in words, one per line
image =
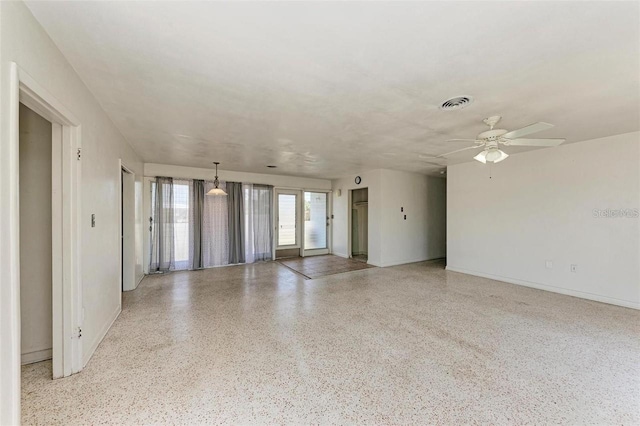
column 491, row 140
column 493, row 155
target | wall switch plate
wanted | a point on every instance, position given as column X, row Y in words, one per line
column 574, row 268
column 549, row 264
column 93, row 220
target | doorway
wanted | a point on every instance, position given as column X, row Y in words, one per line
column 360, row 224
column 36, row 300
column 127, row 229
column 66, row 316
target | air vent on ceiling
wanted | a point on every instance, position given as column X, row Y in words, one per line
column 458, row 102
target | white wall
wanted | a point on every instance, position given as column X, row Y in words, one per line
column 341, row 224
column 392, row 239
column 22, row 40
column 538, row 206
column 280, row 181
column 35, row 237
column 422, row 236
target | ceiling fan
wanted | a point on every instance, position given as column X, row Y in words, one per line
column 491, row 140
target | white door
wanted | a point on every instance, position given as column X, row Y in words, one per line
column 316, row 223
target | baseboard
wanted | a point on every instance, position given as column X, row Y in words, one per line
column 341, row 255
column 546, row 287
column 99, row 337
column 36, row 356
column 139, row 280
column 404, row 262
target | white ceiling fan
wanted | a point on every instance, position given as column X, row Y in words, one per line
column 491, row 140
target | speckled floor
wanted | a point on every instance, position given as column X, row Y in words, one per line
column 411, row 344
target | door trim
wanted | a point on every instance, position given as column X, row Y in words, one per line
column 66, row 211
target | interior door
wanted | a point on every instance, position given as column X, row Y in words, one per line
column 316, row 223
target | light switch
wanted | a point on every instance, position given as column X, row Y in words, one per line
column 93, row 220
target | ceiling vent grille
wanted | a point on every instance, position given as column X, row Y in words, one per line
column 458, row 102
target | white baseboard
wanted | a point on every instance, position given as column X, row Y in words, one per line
column 36, row 356
column 100, row 336
column 341, row 255
column 404, row 262
column 139, row 280
column 546, row 287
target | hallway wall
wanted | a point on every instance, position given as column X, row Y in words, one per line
column 392, row 239
column 24, row 41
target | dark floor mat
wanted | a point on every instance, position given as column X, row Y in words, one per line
column 320, row 266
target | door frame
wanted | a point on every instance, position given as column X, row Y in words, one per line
column 66, row 211
column 317, row 252
column 129, row 284
column 350, row 221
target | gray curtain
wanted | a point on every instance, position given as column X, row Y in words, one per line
column 262, row 221
column 235, row 210
column 197, row 209
column 162, row 242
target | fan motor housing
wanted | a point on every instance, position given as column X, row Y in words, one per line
column 492, row 134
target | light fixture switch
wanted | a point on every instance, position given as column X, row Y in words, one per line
column 574, row 268
column 401, row 209
column 93, row 220
column 549, row 264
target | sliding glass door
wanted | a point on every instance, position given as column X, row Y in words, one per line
column 316, row 223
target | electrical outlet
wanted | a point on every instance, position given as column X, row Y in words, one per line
column 574, row 268
column 549, row 264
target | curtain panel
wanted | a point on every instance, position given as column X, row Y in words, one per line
column 258, row 222
column 235, row 213
column 162, row 243
column 197, row 203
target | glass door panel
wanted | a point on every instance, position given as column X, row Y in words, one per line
column 287, row 219
column 315, row 222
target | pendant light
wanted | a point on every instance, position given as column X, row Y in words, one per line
column 215, row 190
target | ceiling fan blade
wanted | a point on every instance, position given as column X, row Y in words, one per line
column 531, row 128
column 535, row 142
column 460, row 150
column 463, row 140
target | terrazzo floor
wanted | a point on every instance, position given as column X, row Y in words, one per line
column 411, row 344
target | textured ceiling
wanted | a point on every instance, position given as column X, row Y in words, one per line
column 329, row 89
